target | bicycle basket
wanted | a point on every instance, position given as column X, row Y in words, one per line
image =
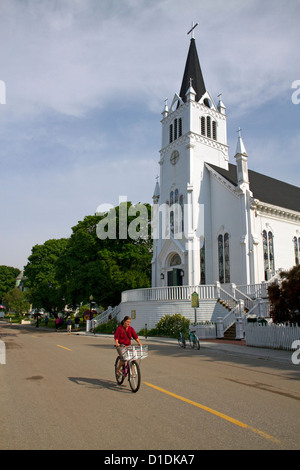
column 135, row 352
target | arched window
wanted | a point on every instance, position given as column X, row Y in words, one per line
column 180, row 127
column 202, row 261
column 203, row 125
column 224, row 259
column 182, row 212
column 175, row 260
column 176, row 196
column 176, row 212
column 171, row 212
column 175, row 129
column 214, row 129
column 268, row 251
column 271, row 251
column 297, row 250
column 208, row 127
column 226, row 256
column 171, row 133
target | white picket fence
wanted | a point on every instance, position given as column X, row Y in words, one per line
column 205, row 331
column 272, row 335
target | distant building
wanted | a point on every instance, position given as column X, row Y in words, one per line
column 20, row 281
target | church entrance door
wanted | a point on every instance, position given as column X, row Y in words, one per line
column 174, row 277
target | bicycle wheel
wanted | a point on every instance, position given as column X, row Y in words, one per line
column 119, row 377
column 181, row 342
column 197, row 343
column 134, row 376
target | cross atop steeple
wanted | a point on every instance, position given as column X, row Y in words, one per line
column 192, row 30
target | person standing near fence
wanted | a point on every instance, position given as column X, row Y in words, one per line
column 77, row 320
column 69, row 325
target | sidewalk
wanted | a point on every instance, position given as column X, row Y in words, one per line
column 235, row 348
column 277, row 355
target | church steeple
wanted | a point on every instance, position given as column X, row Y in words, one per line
column 194, row 136
column 192, row 71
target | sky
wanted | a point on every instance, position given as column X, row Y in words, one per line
column 82, row 89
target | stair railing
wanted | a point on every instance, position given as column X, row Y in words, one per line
column 223, row 295
column 104, row 317
column 224, row 323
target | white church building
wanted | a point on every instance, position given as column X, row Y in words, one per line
column 239, row 226
column 222, row 230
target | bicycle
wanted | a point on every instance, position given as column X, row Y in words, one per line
column 181, row 340
column 194, row 340
column 131, row 367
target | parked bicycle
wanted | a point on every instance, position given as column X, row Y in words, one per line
column 131, row 366
column 181, row 340
column 194, row 340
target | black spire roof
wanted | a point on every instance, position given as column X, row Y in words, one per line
column 192, row 70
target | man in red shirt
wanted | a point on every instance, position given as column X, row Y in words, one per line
column 123, row 336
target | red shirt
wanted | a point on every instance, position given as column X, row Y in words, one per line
column 124, row 338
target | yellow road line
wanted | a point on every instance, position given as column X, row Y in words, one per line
column 217, row 413
column 64, row 347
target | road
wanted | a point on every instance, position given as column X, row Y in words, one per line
column 58, row 392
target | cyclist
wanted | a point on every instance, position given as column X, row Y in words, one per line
column 123, row 336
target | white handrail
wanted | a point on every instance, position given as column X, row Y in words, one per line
column 249, row 303
column 169, row 293
column 104, row 317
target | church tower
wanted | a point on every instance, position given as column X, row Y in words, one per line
column 193, row 133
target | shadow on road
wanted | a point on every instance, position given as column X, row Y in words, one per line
column 100, row 384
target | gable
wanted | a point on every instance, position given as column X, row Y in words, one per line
column 265, row 188
column 171, row 245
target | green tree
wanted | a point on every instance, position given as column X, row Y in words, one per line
column 104, row 267
column 8, row 277
column 285, row 297
column 16, row 301
column 40, row 275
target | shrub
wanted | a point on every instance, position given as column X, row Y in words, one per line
column 108, row 328
column 151, row 332
column 170, row 325
column 285, row 297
